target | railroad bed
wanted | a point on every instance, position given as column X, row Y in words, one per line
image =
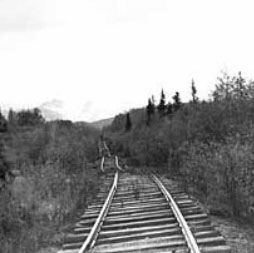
column 140, row 218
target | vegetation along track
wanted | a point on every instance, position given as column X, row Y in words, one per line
column 136, row 213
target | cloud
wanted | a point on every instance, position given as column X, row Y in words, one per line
column 53, row 104
column 115, row 53
column 23, row 15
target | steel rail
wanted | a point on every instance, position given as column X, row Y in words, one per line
column 106, row 148
column 117, row 164
column 90, row 240
column 102, row 163
column 192, row 244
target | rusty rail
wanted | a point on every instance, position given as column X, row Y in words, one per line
column 90, row 240
column 192, row 244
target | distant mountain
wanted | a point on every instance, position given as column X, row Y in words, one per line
column 102, row 123
column 56, row 109
column 52, row 110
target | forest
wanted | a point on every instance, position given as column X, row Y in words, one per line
column 46, row 174
column 206, row 144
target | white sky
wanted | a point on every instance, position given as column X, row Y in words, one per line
column 103, row 57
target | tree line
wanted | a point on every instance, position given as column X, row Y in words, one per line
column 163, row 108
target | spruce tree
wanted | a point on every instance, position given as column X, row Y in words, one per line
column 240, row 81
column 4, row 166
column 11, row 119
column 128, row 123
column 150, row 108
column 194, row 92
column 177, row 102
column 3, row 123
column 162, row 105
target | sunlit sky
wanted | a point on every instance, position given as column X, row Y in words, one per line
column 91, row 59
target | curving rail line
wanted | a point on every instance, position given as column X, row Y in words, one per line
column 91, row 239
column 102, row 163
column 141, row 215
column 116, row 163
column 192, row 244
column 89, row 242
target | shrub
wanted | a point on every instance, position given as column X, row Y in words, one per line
column 54, row 179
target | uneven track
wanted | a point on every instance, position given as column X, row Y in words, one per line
column 139, row 216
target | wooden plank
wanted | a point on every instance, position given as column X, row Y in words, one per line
column 141, row 235
column 139, row 223
column 138, row 214
column 140, row 217
column 141, row 245
column 137, row 230
column 123, row 209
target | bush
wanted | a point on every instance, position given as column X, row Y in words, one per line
column 53, row 179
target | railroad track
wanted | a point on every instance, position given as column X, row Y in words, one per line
column 143, row 213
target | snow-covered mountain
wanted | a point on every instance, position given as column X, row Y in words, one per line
column 52, row 110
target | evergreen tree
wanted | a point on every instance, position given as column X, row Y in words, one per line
column 150, row 109
column 240, row 85
column 4, row 166
column 194, row 92
column 128, row 124
column 177, row 102
column 162, row 105
column 12, row 119
column 3, row 123
column 169, row 108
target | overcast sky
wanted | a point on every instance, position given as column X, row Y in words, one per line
column 90, row 59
